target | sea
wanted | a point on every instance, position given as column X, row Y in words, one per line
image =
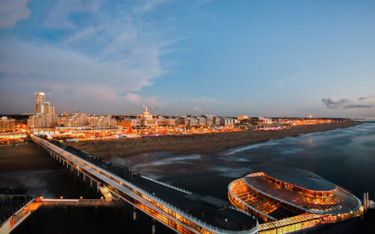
column 345, row 157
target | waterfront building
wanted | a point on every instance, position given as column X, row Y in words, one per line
column 147, row 120
column 292, row 199
column 202, row 121
column 7, row 125
column 165, row 121
column 210, row 120
column 77, row 119
column 217, row 121
column 132, row 123
column 263, row 120
column 44, row 114
column 146, row 114
column 228, row 121
column 102, row 121
column 242, row 117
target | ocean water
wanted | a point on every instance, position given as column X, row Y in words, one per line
column 345, row 157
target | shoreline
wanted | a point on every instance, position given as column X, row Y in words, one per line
column 196, row 143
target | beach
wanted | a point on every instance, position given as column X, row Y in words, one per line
column 196, row 143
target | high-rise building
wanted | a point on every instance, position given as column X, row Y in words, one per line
column 40, row 99
column 44, row 114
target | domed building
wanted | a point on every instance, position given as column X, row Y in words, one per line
column 292, row 199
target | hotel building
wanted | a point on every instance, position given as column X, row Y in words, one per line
column 44, row 114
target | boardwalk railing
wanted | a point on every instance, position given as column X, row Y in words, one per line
column 166, row 185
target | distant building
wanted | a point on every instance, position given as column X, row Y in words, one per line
column 7, row 125
column 242, row 117
column 132, row 123
column 102, row 121
column 146, row 115
column 147, row 120
column 77, row 119
column 210, row 120
column 217, row 121
column 265, row 120
column 44, row 114
column 202, row 121
column 228, row 121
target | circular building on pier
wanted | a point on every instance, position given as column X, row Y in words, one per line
column 288, row 196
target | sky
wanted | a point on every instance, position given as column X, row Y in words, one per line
column 257, row 58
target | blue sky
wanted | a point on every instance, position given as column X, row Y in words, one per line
column 261, row 58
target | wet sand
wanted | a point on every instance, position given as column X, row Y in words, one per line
column 196, row 143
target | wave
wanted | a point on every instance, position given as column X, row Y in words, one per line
column 232, row 172
column 291, row 151
column 181, row 159
column 249, row 147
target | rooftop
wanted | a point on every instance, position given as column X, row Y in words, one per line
column 300, row 178
column 340, row 201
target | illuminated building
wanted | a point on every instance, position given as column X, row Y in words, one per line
column 44, row 115
column 7, row 125
column 102, row 121
column 77, row 119
column 242, row 117
column 227, row 121
column 146, row 115
column 292, row 199
column 147, row 120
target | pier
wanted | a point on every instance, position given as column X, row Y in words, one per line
column 176, row 208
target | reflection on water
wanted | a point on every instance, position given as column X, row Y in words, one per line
column 345, row 157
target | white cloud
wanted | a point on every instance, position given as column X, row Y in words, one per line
column 99, row 62
column 37, row 67
column 12, row 11
column 141, row 101
column 197, row 109
column 58, row 17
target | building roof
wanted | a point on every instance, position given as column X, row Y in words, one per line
column 301, row 178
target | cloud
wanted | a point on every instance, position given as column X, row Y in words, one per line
column 67, row 73
column 362, row 102
column 68, row 68
column 12, row 11
column 366, row 98
column 144, row 101
column 101, row 59
column 59, row 16
column 358, row 106
column 197, row 109
column 332, row 103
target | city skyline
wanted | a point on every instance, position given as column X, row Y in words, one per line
column 290, row 58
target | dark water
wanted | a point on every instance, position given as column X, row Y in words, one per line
column 345, row 157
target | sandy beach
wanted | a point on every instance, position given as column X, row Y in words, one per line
column 196, row 143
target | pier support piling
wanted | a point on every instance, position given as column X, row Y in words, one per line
column 153, row 228
column 134, row 214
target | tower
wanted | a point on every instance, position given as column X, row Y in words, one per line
column 40, row 99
